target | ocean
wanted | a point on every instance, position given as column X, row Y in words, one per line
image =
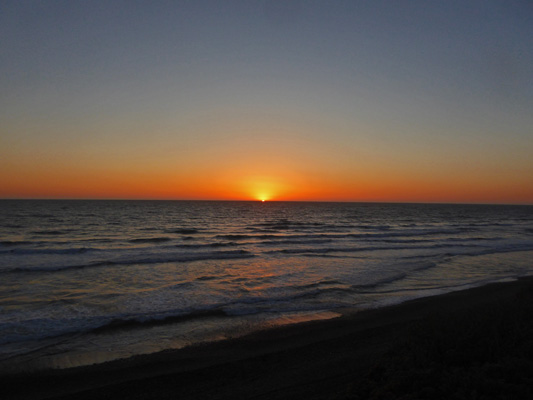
column 84, row 282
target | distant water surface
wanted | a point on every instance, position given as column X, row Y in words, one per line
column 89, row 281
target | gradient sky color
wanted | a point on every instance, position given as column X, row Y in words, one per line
column 282, row 100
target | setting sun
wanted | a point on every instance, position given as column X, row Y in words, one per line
column 264, row 188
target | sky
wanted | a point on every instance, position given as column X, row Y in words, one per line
column 400, row 101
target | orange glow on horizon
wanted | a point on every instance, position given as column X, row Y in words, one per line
column 196, row 112
column 277, row 185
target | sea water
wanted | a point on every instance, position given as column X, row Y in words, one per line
column 83, row 282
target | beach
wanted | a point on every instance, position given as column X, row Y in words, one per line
column 475, row 343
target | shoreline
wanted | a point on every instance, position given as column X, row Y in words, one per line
column 316, row 359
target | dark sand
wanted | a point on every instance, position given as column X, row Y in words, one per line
column 472, row 344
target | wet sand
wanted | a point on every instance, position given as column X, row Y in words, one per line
column 474, row 343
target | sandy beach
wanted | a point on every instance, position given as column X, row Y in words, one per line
column 475, row 343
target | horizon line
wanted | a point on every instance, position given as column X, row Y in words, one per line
column 267, row 201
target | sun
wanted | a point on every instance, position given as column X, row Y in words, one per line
column 261, row 188
column 263, row 195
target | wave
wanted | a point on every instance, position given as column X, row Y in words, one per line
column 277, row 225
column 257, row 304
column 247, row 237
column 288, row 241
column 38, row 215
column 515, row 247
column 99, row 325
column 207, row 278
column 184, row 231
column 407, row 233
column 304, row 251
column 318, row 284
column 409, row 229
column 234, row 237
column 363, row 287
column 77, row 250
column 150, row 240
column 285, row 223
column 342, row 235
column 243, row 306
column 313, row 239
column 372, row 285
column 374, row 227
column 482, row 224
column 143, row 322
column 313, row 250
column 14, row 242
column 12, row 226
column 50, row 232
column 151, row 259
